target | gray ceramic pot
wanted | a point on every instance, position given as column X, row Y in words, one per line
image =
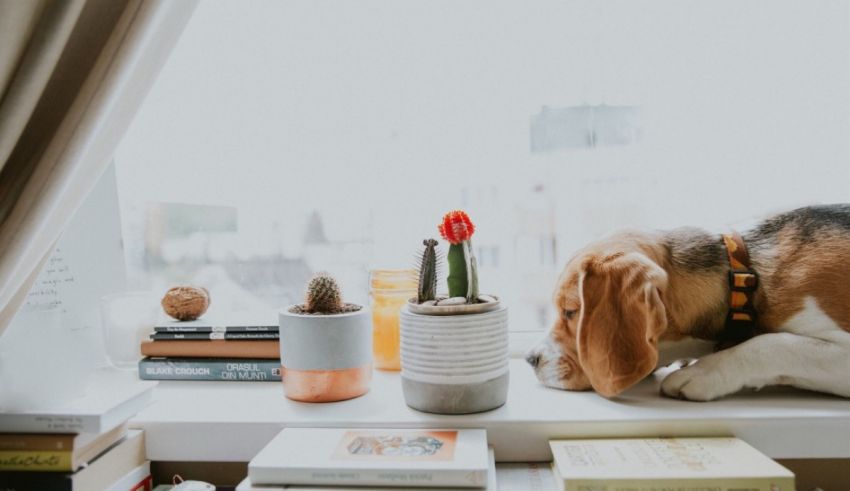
column 326, row 358
column 455, row 364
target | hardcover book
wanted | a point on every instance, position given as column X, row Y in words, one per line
column 247, row 485
column 54, row 452
column 220, row 369
column 247, row 348
column 138, row 479
column 650, row 464
column 373, row 457
column 178, row 327
column 102, row 473
column 210, row 336
column 525, row 476
column 112, row 397
column 258, row 322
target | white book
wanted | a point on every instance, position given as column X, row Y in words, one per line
column 137, row 479
column 647, row 464
column 401, row 458
column 525, row 476
column 111, row 398
column 246, row 484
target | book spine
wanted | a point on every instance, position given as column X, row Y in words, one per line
column 29, row 481
column 213, row 335
column 400, row 478
column 12, row 460
column 714, row 484
column 41, row 423
column 223, row 370
column 30, row 442
column 208, row 329
column 187, row 348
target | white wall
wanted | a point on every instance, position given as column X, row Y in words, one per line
column 378, row 113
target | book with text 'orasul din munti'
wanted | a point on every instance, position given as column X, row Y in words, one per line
column 220, row 369
column 373, row 458
column 652, row 464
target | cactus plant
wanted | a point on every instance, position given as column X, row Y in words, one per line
column 324, row 298
column 457, row 229
column 428, row 272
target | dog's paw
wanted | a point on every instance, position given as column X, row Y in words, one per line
column 663, row 372
column 701, row 381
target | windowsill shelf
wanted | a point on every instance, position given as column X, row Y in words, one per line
column 232, row 421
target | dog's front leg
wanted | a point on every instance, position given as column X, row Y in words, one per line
column 819, row 364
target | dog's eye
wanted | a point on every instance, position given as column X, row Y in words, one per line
column 569, row 314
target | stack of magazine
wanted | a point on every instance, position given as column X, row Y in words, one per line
column 208, row 350
column 373, row 458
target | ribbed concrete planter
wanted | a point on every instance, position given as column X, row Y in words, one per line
column 454, row 364
column 326, row 358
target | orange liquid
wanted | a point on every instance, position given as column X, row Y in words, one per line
column 385, row 330
column 388, row 297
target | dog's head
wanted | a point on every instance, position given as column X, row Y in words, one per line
column 610, row 316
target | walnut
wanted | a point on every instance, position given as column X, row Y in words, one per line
column 186, row 303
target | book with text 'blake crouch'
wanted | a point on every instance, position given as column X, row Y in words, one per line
column 247, row 485
column 54, row 452
column 111, row 398
column 216, row 369
column 650, row 464
column 373, row 457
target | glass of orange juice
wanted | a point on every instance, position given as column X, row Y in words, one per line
column 390, row 289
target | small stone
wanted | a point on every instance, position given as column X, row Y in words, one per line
column 452, row 301
column 429, row 303
column 486, row 298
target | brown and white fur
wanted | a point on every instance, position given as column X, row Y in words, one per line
column 619, row 298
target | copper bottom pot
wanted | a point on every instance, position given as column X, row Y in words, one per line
column 326, row 385
column 326, row 358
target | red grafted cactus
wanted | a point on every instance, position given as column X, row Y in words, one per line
column 456, row 227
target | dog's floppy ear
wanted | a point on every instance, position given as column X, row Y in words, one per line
column 622, row 316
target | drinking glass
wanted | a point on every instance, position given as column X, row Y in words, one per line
column 127, row 319
column 390, row 290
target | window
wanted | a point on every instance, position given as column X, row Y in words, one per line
column 288, row 137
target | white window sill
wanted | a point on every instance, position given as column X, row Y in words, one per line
column 232, row 421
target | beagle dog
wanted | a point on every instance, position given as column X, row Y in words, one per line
column 619, row 298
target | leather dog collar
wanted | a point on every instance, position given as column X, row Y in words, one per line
column 743, row 282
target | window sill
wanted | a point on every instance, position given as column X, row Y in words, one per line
column 232, row 421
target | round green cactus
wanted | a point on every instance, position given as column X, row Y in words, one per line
column 323, row 295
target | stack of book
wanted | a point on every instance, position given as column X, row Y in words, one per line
column 203, row 350
column 651, row 464
column 83, row 446
column 373, row 458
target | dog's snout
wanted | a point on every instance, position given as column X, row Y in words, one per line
column 533, row 359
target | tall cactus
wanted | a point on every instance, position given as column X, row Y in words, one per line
column 428, row 272
column 323, row 295
column 457, row 228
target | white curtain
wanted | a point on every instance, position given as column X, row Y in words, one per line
column 72, row 75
